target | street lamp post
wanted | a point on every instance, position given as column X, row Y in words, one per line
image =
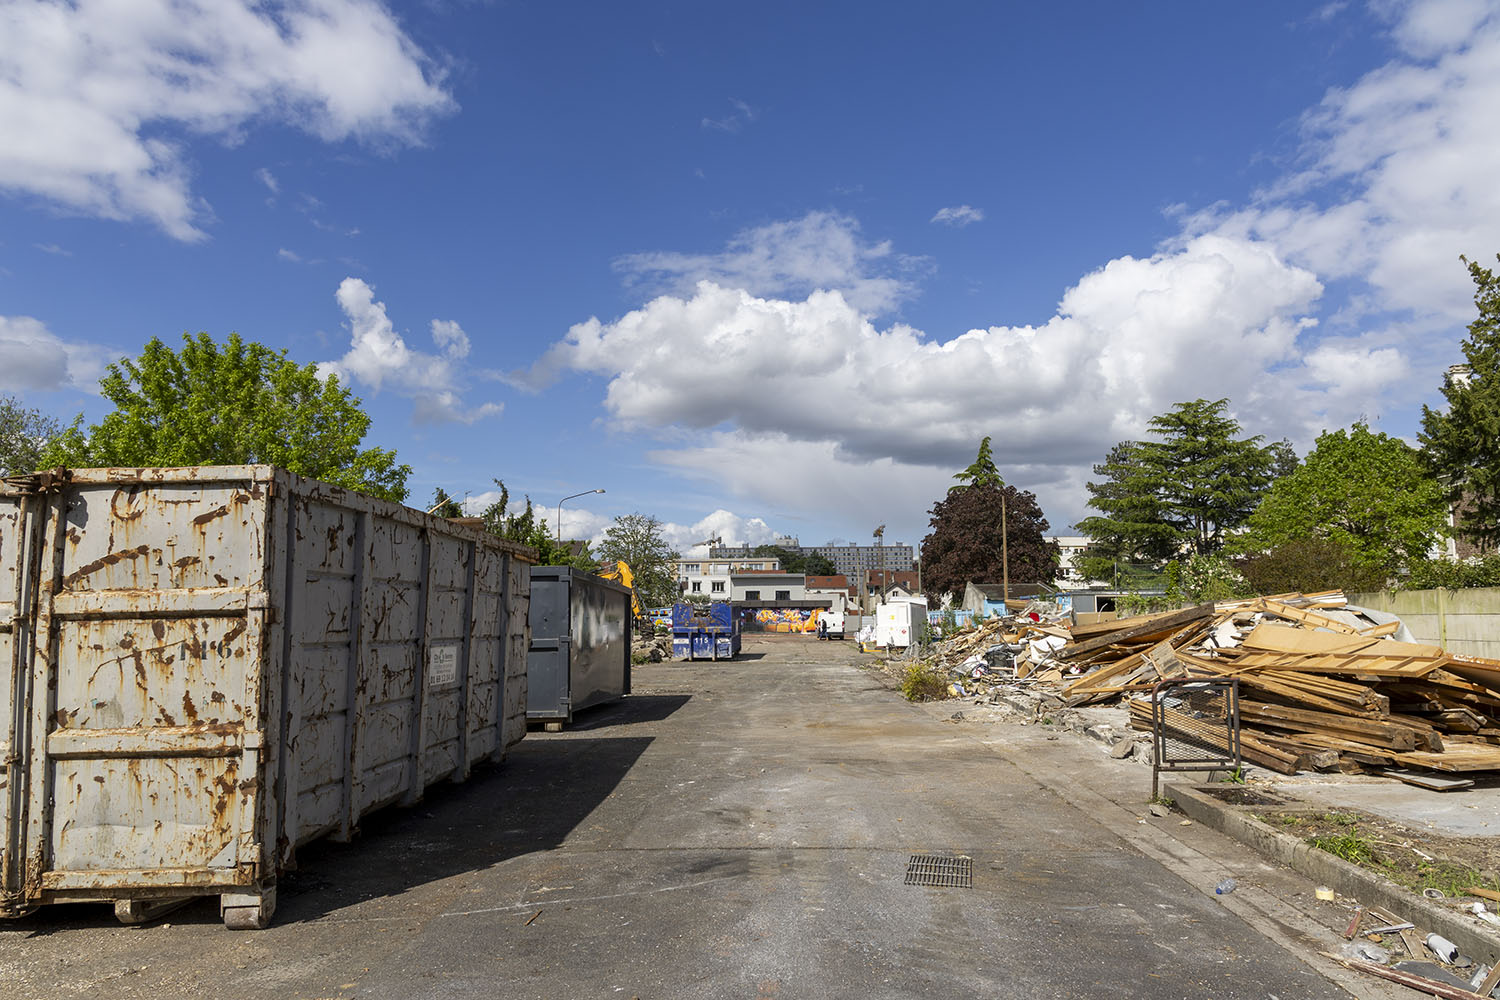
column 559, row 510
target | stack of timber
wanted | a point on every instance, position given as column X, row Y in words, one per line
column 1323, row 686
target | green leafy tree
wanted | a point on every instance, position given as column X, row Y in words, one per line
column 966, row 543
column 1452, row 574
column 1198, row 481
column 24, row 436
column 530, row 526
column 1308, row 565
column 636, row 539
column 1359, row 487
column 444, row 505
column 1199, row 579
column 235, row 403
column 1462, row 445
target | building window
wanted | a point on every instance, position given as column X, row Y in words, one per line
column 752, row 595
column 697, row 586
column 690, row 568
column 718, row 586
column 783, row 595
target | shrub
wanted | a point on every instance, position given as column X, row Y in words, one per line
column 924, row 682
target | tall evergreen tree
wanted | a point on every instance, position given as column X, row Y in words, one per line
column 1183, row 491
column 981, row 471
column 1462, row 445
column 1131, row 527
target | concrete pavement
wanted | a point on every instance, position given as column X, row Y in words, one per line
column 736, row 830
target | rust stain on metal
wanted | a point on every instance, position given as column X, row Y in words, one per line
column 209, row 515
column 188, row 708
column 109, row 560
column 132, row 511
column 235, row 631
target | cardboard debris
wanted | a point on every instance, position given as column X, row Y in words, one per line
column 1323, row 685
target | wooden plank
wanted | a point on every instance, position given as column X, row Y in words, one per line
column 1309, row 618
column 1175, row 620
column 1490, row 981
column 1475, row 890
column 1288, row 686
column 1273, row 638
column 1431, row 782
column 1455, row 757
column 1117, row 625
column 1377, row 631
column 1103, row 674
column 1384, row 734
column 1351, row 666
column 1409, row 979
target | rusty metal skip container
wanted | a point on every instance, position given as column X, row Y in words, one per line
column 203, row 668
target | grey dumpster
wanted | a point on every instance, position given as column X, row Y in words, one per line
column 580, row 643
column 203, row 668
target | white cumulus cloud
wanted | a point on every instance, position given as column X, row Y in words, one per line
column 1127, row 341
column 379, row 358
column 33, row 358
column 958, row 216
column 98, row 99
column 821, row 250
column 1397, row 174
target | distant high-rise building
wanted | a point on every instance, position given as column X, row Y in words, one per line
column 853, row 561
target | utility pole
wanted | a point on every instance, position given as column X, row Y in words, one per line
column 1004, row 548
column 880, row 549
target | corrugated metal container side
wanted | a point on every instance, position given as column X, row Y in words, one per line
column 580, row 642
column 205, row 668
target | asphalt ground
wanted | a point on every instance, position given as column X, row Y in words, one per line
column 738, row 830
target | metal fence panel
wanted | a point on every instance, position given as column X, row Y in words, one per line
column 1195, row 725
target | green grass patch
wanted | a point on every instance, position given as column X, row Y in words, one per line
column 1348, row 845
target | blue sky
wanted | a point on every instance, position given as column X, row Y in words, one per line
column 758, row 270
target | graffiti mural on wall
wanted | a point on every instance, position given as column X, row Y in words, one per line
column 781, row 620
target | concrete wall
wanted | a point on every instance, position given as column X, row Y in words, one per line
column 1461, row 621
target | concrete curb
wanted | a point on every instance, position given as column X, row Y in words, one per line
column 1336, row 873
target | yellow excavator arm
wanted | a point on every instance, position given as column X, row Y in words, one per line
column 622, row 575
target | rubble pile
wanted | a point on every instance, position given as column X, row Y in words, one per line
column 649, row 647
column 1323, row 685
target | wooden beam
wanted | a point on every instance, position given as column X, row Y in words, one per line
column 1163, row 625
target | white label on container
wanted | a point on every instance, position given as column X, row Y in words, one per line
column 442, row 665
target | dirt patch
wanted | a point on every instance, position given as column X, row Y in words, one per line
column 1409, row 856
column 1237, row 795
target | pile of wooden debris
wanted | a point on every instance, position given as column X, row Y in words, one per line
column 1322, row 685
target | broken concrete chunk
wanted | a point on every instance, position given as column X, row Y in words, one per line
column 1123, row 749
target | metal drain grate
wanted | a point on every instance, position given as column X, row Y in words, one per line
column 935, row 869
